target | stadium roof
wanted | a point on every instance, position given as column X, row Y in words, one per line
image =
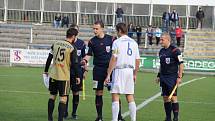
column 162, row 2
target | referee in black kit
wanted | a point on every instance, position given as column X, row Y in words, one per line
column 170, row 75
column 100, row 48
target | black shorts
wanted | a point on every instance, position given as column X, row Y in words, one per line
column 167, row 84
column 76, row 87
column 56, row 86
column 99, row 75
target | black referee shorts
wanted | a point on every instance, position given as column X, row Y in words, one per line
column 167, row 84
column 99, row 75
column 76, row 87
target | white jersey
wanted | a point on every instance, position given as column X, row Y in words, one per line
column 125, row 49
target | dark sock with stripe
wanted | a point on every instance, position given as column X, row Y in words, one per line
column 75, row 102
column 175, row 109
column 99, row 105
column 120, row 108
column 50, row 109
column 61, row 110
column 168, row 110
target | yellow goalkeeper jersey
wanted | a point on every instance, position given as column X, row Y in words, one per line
column 61, row 51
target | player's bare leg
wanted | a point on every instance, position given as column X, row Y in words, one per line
column 51, row 104
column 175, row 107
column 61, row 107
column 99, row 104
column 132, row 106
column 115, row 106
column 75, row 102
column 168, row 108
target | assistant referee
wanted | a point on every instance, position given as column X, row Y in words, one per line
column 170, row 74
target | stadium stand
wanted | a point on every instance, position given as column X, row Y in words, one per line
column 200, row 44
column 19, row 31
column 19, row 36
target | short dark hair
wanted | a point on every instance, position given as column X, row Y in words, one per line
column 71, row 32
column 122, row 27
column 99, row 22
column 74, row 26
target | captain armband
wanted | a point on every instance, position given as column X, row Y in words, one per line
column 180, row 58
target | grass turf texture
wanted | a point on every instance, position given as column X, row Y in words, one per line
column 23, row 97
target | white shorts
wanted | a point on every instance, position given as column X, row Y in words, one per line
column 122, row 81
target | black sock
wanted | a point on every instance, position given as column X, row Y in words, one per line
column 168, row 110
column 120, row 108
column 175, row 109
column 67, row 105
column 75, row 102
column 99, row 105
column 61, row 110
column 50, row 109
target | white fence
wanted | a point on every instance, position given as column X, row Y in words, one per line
column 27, row 57
column 86, row 12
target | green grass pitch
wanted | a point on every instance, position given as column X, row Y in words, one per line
column 23, row 97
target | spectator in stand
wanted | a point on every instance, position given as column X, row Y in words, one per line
column 178, row 34
column 119, row 14
column 166, row 18
column 131, row 30
column 174, row 18
column 138, row 30
column 149, row 32
column 26, row 16
column 200, row 16
column 158, row 33
column 65, row 21
column 57, row 21
column 172, row 35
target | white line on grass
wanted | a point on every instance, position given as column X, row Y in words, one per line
column 146, row 102
column 108, row 97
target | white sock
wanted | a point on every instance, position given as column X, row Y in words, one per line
column 132, row 109
column 115, row 110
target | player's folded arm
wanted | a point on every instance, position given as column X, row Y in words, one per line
column 90, row 50
column 115, row 50
column 180, row 60
column 113, row 59
column 137, row 61
column 48, row 62
column 179, row 56
column 83, row 53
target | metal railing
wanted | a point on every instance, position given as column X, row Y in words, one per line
column 4, row 56
column 24, row 16
column 81, row 12
column 89, row 19
column 1, row 14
